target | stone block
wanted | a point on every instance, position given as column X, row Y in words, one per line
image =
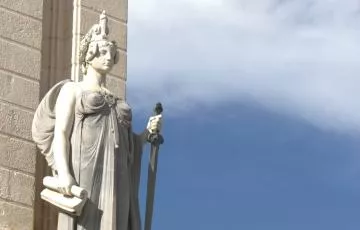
column 20, row 59
column 11, row 85
column 21, row 188
column 20, row 28
column 15, row 121
column 116, row 85
column 115, row 8
column 33, row 8
column 17, row 186
column 18, row 154
column 118, row 29
column 119, row 70
column 4, row 183
column 14, row 217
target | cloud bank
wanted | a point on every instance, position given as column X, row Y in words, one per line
column 299, row 57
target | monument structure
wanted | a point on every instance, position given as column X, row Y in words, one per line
column 40, row 43
column 85, row 133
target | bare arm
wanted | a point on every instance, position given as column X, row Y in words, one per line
column 143, row 136
column 65, row 107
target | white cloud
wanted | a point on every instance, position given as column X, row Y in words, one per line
column 294, row 56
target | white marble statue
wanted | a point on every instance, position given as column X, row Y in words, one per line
column 86, row 135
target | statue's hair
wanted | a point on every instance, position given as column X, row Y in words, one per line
column 89, row 45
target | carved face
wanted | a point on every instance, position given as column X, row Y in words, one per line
column 104, row 58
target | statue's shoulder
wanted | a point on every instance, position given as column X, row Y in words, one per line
column 71, row 89
column 71, row 86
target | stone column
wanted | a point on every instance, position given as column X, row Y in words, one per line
column 55, row 66
column 20, row 71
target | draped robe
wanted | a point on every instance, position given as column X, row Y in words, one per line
column 104, row 159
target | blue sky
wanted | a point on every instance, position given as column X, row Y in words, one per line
column 261, row 113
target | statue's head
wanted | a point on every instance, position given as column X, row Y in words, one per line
column 96, row 50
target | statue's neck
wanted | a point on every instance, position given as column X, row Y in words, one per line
column 94, row 78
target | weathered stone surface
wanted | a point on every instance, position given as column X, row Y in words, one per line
column 16, row 186
column 21, row 188
column 116, row 85
column 115, row 8
column 67, row 43
column 15, row 121
column 118, row 29
column 119, row 69
column 4, row 183
column 33, row 8
column 20, row 59
column 13, row 217
column 16, row 153
column 20, row 28
column 11, row 85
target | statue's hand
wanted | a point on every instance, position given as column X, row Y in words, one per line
column 154, row 124
column 65, row 183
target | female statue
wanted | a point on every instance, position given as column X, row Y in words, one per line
column 85, row 133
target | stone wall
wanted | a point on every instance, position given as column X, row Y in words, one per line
column 20, row 70
column 37, row 40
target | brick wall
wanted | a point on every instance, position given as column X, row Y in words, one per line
column 20, row 48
